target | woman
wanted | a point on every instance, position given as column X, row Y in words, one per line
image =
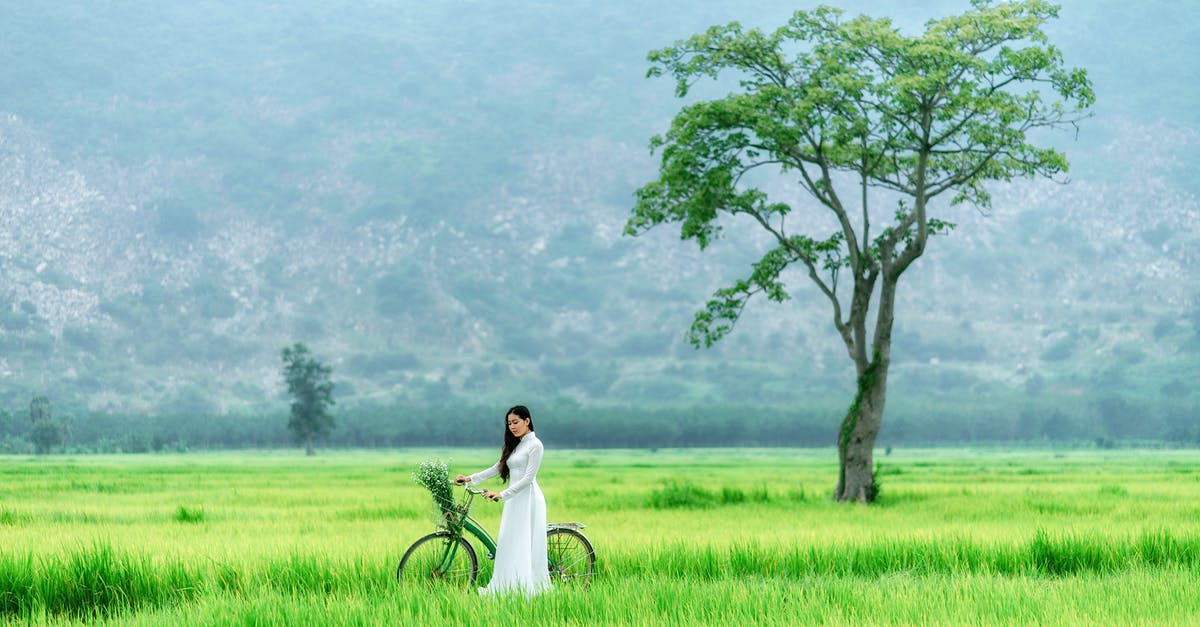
column 521, row 546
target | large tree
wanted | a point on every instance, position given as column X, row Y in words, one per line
column 876, row 126
column 312, row 394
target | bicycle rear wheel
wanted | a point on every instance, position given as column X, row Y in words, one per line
column 439, row 559
column 572, row 560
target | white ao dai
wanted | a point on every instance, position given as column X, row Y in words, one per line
column 521, row 544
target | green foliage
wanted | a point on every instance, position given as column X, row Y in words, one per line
column 8, row 422
column 312, row 393
column 192, row 515
column 135, row 443
column 685, row 495
column 825, row 99
column 675, row 494
column 44, row 435
column 942, row 112
column 13, row 445
column 39, row 410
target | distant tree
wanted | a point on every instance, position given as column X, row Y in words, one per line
column 874, row 126
column 44, row 435
column 39, row 410
column 312, row 394
column 44, row 432
column 8, row 423
column 66, row 428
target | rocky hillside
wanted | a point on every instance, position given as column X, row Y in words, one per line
column 439, row 215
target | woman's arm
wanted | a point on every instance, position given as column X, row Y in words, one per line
column 484, row 475
column 535, row 460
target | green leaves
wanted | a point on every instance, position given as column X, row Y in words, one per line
column 312, row 392
column 725, row 307
column 943, row 112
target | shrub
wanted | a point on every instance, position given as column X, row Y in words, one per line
column 732, row 496
column 677, row 494
column 185, row 515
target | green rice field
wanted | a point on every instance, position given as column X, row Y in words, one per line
column 714, row 536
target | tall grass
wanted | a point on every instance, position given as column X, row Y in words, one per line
column 185, row 515
column 960, row 537
column 1043, row 555
column 1158, row 597
column 98, row 579
column 685, row 494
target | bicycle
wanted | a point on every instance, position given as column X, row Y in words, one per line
column 447, row 557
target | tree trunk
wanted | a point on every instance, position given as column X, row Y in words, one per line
column 308, row 448
column 856, row 438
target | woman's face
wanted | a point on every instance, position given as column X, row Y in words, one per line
column 517, row 425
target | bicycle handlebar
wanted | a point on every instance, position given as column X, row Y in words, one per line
column 468, row 488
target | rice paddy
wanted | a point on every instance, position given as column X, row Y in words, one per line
column 683, row 537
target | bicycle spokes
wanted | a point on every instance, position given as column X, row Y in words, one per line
column 439, row 558
column 569, row 556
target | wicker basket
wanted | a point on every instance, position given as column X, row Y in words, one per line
column 449, row 515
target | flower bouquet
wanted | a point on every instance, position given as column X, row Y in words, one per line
column 435, row 477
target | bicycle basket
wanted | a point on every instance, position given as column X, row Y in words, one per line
column 448, row 514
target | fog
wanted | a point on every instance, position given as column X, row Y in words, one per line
column 432, row 196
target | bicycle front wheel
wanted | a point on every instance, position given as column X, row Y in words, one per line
column 571, row 558
column 439, row 559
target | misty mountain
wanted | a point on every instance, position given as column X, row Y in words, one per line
column 432, row 197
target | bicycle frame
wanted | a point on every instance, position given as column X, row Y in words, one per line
column 472, row 526
column 481, row 534
column 468, row 525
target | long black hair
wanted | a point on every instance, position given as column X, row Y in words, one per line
column 511, row 441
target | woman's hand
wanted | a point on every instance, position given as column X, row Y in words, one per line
column 461, row 479
column 488, row 494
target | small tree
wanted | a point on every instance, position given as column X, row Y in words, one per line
column 44, row 436
column 43, row 432
column 312, row 394
column 874, row 126
column 39, row 410
column 8, row 424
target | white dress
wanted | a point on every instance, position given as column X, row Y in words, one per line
column 521, row 545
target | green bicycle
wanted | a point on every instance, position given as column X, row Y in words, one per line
column 446, row 557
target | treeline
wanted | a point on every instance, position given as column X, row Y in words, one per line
column 1098, row 421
